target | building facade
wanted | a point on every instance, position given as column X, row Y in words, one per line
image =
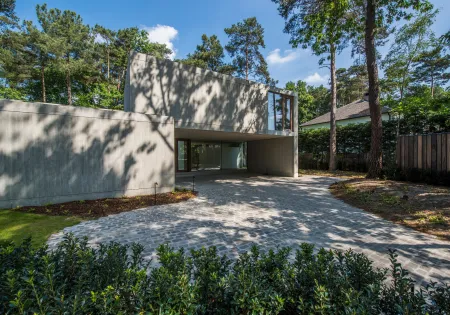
column 177, row 118
column 220, row 122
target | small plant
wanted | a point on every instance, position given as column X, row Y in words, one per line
column 66, row 212
column 436, row 219
column 389, row 199
column 364, row 196
column 82, row 201
column 31, row 209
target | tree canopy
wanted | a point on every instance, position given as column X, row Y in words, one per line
column 246, row 39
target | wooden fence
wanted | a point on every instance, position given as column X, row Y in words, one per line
column 428, row 152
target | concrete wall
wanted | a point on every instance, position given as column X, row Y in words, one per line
column 344, row 122
column 54, row 153
column 273, row 156
column 195, row 97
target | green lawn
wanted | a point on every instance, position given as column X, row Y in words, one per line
column 15, row 226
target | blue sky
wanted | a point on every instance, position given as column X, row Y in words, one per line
column 181, row 23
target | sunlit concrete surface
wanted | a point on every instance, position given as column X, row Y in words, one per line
column 235, row 211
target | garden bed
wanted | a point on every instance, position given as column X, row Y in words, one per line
column 423, row 207
column 104, row 207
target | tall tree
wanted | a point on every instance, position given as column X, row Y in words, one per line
column 352, row 84
column 432, row 66
column 134, row 39
column 305, row 100
column 246, row 40
column 40, row 50
column 410, row 41
column 8, row 16
column 321, row 25
column 209, row 55
column 372, row 16
column 312, row 101
column 104, row 39
column 75, row 41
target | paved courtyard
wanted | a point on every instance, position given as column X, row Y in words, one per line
column 235, row 211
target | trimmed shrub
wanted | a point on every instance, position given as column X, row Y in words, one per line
column 353, row 145
column 115, row 279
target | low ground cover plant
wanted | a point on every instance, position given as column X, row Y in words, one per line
column 115, row 279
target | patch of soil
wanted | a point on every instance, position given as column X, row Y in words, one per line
column 337, row 173
column 423, row 207
column 92, row 209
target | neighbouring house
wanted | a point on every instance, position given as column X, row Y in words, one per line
column 177, row 118
column 354, row 113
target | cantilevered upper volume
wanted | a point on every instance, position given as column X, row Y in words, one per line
column 203, row 99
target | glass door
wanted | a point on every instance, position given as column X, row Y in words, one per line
column 183, row 157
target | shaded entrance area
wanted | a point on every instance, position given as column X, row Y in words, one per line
column 207, row 150
column 210, row 155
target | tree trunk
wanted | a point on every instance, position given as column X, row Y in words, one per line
column 120, row 79
column 69, row 88
column 246, row 63
column 44, row 96
column 107, row 70
column 332, row 161
column 432, row 86
column 68, row 83
column 375, row 156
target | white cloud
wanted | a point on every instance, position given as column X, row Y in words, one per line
column 162, row 34
column 99, row 39
column 316, row 79
column 275, row 57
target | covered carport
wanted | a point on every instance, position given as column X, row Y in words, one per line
column 268, row 154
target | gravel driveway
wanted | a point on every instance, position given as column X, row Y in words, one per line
column 233, row 212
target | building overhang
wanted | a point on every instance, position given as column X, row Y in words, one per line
column 217, row 135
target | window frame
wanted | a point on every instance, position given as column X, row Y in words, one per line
column 284, row 108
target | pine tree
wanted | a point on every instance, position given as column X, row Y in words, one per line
column 246, row 40
column 75, row 42
column 40, row 50
column 322, row 26
column 209, row 55
column 431, row 66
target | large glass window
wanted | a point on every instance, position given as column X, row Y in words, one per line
column 182, row 152
column 280, row 111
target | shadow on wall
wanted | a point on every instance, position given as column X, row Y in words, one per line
column 195, row 96
column 52, row 153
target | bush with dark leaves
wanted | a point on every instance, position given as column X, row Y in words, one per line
column 115, row 279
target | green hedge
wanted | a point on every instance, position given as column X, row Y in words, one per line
column 353, row 142
column 114, row 279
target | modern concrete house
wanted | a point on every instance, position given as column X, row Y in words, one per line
column 220, row 122
column 356, row 112
column 177, row 118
